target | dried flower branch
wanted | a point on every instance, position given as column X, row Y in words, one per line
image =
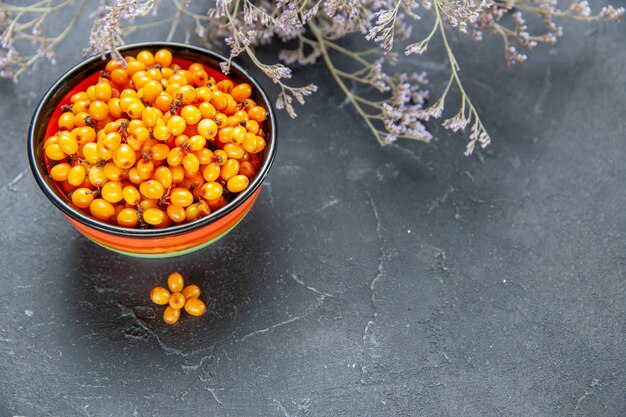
column 392, row 105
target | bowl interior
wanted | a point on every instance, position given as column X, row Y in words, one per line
column 85, row 74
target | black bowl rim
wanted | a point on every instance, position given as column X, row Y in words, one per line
column 168, row 231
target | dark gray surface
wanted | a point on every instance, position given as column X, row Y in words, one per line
column 367, row 281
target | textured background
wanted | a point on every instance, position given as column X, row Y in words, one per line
column 367, row 281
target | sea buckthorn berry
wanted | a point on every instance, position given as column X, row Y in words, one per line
column 83, row 119
column 260, row 144
column 124, row 156
column 84, row 135
column 178, row 174
column 204, row 94
column 241, row 92
column 177, row 214
column 111, row 141
column 163, row 57
column 257, row 113
column 246, row 168
column 54, row 152
column 80, row 96
column 175, row 156
column 82, row 197
column 250, row 143
column 177, row 300
column 133, row 176
column 66, row 121
column 163, row 175
column 161, row 132
column 212, row 190
column 50, row 140
column 233, row 121
column 102, row 91
column 175, row 282
column 148, row 203
column 67, row 187
column 207, row 110
column 112, row 172
column 134, row 66
column 211, row 172
column 119, row 76
column 181, row 197
column 114, row 108
column 98, row 110
column 191, row 163
column 229, row 169
column 90, row 153
column 239, row 134
column 205, row 156
column 101, row 209
column 171, row 315
column 191, row 114
column 151, row 90
column 196, row 211
column 195, row 307
column 146, row 57
column 207, row 128
column 160, row 295
column 191, row 291
column 59, row 172
column 163, row 102
column 68, row 143
column 155, row 74
column 112, row 191
column 153, row 216
column 219, row 100
column 76, row 176
column 128, row 217
column 220, row 157
column 196, row 143
column 188, row 94
column 176, row 125
column 97, row 177
column 152, row 189
column 135, row 109
column 237, row 183
column 225, row 135
column 159, row 151
column 225, row 86
column 80, row 107
column 242, row 116
column 131, row 195
column 231, row 105
column 199, row 78
column 91, row 95
column 150, row 116
column 103, row 152
column 144, row 169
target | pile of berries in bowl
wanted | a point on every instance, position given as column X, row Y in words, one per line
column 158, row 155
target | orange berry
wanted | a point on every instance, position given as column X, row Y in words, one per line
column 175, row 282
column 177, row 300
column 171, row 315
column 163, row 57
column 241, row 92
column 237, row 183
column 195, row 307
column 128, row 217
column 191, row 291
column 160, row 295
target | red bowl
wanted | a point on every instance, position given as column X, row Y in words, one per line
column 173, row 240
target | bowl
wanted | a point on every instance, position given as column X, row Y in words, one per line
column 153, row 243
